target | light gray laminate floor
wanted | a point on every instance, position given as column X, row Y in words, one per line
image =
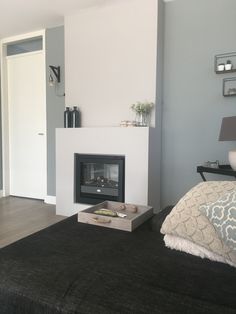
column 20, row 217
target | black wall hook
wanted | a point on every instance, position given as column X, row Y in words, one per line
column 56, row 71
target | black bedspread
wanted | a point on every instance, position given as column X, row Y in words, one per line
column 76, row 268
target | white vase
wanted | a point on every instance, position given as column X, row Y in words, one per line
column 232, row 159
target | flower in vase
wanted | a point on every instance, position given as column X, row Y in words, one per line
column 143, row 111
column 142, row 107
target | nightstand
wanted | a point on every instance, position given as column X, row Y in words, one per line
column 225, row 170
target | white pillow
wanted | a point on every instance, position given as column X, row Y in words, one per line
column 184, row 245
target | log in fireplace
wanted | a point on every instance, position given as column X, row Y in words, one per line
column 99, row 178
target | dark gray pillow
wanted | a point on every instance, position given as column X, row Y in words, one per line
column 222, row 214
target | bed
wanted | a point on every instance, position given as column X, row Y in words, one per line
column 78, row 268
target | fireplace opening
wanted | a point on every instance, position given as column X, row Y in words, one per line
column 99, row 178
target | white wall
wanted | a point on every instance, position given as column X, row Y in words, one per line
column 110, row 59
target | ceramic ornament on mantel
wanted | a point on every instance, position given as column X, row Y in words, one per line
column 143, row 113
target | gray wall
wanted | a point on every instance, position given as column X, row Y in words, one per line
column 1, row 176
column 55, row 100
column 155, row 133
column 195, row 31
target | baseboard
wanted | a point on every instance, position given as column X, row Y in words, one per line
column 1, row 193
column 50, row 200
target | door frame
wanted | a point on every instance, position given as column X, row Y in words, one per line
column 5, row 105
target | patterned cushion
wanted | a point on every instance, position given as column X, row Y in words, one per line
column 186, row 221
column 222, row 214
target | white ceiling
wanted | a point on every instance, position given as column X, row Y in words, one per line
column 22, row 16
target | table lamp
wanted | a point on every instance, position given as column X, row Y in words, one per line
column 228, row 133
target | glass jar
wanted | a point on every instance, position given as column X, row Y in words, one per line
column 142, row 119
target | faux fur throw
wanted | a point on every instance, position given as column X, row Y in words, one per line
column 184, row 245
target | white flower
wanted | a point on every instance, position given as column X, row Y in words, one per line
column 142, row 107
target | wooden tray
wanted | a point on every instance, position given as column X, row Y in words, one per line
column 129, row 223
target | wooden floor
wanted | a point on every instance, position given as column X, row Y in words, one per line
column 20, row 217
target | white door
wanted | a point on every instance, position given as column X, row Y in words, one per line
column 27, row 125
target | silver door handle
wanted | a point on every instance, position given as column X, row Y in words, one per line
column 40, row 133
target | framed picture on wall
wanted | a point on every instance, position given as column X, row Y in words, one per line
column 229, row 87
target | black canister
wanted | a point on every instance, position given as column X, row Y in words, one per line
column 67, row 118
column 75, row 118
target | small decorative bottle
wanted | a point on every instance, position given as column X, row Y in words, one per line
column 67, row 118
column 75, row 118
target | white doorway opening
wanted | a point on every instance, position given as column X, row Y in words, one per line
column 24, row 120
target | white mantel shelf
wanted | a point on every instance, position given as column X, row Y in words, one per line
column 132, row 142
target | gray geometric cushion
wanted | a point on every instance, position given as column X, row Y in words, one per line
column 222, row 214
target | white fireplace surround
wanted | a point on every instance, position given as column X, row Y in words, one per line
column 133, row 143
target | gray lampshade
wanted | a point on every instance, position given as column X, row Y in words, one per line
column 228, row 129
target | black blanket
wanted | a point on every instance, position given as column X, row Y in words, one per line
column 77, row 268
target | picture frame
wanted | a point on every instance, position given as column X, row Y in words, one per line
column 229, row 87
